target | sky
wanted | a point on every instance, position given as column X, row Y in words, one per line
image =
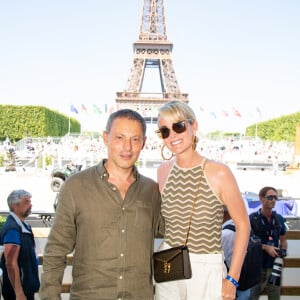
column 238, row 60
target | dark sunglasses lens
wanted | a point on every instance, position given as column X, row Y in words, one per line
column 179, row 127
column 271, row 197
column 165, row 132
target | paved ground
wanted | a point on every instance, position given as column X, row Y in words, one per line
column 37, row 182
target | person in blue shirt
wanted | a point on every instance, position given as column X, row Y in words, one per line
column 228, row 237
column 19, row 260
column 270, row 228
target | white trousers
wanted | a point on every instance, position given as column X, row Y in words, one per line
column 208, row 271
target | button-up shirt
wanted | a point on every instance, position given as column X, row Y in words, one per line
column 112, row 238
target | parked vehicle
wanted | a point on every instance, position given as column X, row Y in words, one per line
column 58, row 177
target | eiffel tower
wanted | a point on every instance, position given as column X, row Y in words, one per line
column 151, row 50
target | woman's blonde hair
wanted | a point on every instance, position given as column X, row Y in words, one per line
column 176, row 111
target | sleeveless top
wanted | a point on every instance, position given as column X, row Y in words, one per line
column 181, row 187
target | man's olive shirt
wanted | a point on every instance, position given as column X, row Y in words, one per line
column 112, row 238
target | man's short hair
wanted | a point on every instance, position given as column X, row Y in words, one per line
column 16, row 196
column 126, row 114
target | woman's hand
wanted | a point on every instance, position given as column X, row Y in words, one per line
column 228, row 290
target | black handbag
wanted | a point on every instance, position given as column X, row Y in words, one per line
column 174, row 263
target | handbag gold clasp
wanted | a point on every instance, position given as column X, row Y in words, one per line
column 167, row 267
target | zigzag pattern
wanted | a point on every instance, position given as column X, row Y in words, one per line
column 205, row 232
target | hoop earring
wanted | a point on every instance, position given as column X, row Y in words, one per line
column 162, row 153
column 195, row 141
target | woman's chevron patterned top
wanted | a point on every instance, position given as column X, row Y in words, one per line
column 177, row 201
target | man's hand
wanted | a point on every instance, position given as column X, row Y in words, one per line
column 271, row 250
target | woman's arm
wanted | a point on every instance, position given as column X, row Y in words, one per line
column 226, row 188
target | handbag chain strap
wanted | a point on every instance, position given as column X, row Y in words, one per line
column 194, row 203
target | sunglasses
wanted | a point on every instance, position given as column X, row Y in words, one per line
column 271, row 197
column 178, row 127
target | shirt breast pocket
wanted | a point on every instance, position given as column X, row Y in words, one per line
column 144, row 218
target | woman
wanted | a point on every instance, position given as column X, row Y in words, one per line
column 186, row 177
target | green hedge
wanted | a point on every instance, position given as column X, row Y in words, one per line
column 2, row 221
column 17, row 122
column 278, row 129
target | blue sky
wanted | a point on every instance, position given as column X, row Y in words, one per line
column 227, row 55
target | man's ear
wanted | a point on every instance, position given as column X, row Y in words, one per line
column 104, row 136
column 144, row 142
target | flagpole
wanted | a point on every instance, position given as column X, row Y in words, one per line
column 256, row 124
column 69, row 125
column 69, row 119
column 256, row 129
column 72, row 109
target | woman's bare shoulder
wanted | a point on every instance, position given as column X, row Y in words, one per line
column 162, row 172
column 165, row 166
column 213, row 166
column 217, row 173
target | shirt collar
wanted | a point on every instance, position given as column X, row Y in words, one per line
column 19, row 222
column 104, row 174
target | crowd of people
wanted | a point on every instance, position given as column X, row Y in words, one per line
column 108, row 215
column 56, row 151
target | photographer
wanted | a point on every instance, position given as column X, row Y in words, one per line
column 270, row 227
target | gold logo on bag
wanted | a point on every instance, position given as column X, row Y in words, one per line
column 167, row 267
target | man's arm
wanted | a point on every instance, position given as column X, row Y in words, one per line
column 282, row 236
column 283, row 242
column 60, row 242
column 11, row 253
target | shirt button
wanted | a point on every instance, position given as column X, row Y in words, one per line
column 121, row 277
column 122, row 254
column 123, row 230
column 114, row 188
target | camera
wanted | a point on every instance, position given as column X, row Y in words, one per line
column 275, row 277
column 281, row 253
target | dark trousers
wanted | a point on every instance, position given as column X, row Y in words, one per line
column 12, row 296
column 273, row 291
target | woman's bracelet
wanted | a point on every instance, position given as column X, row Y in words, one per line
column 232, row 280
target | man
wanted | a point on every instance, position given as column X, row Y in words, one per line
column 270, row 228
column 77, row 158
column 109, row 215
column 228, row 236
column 19, row 262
